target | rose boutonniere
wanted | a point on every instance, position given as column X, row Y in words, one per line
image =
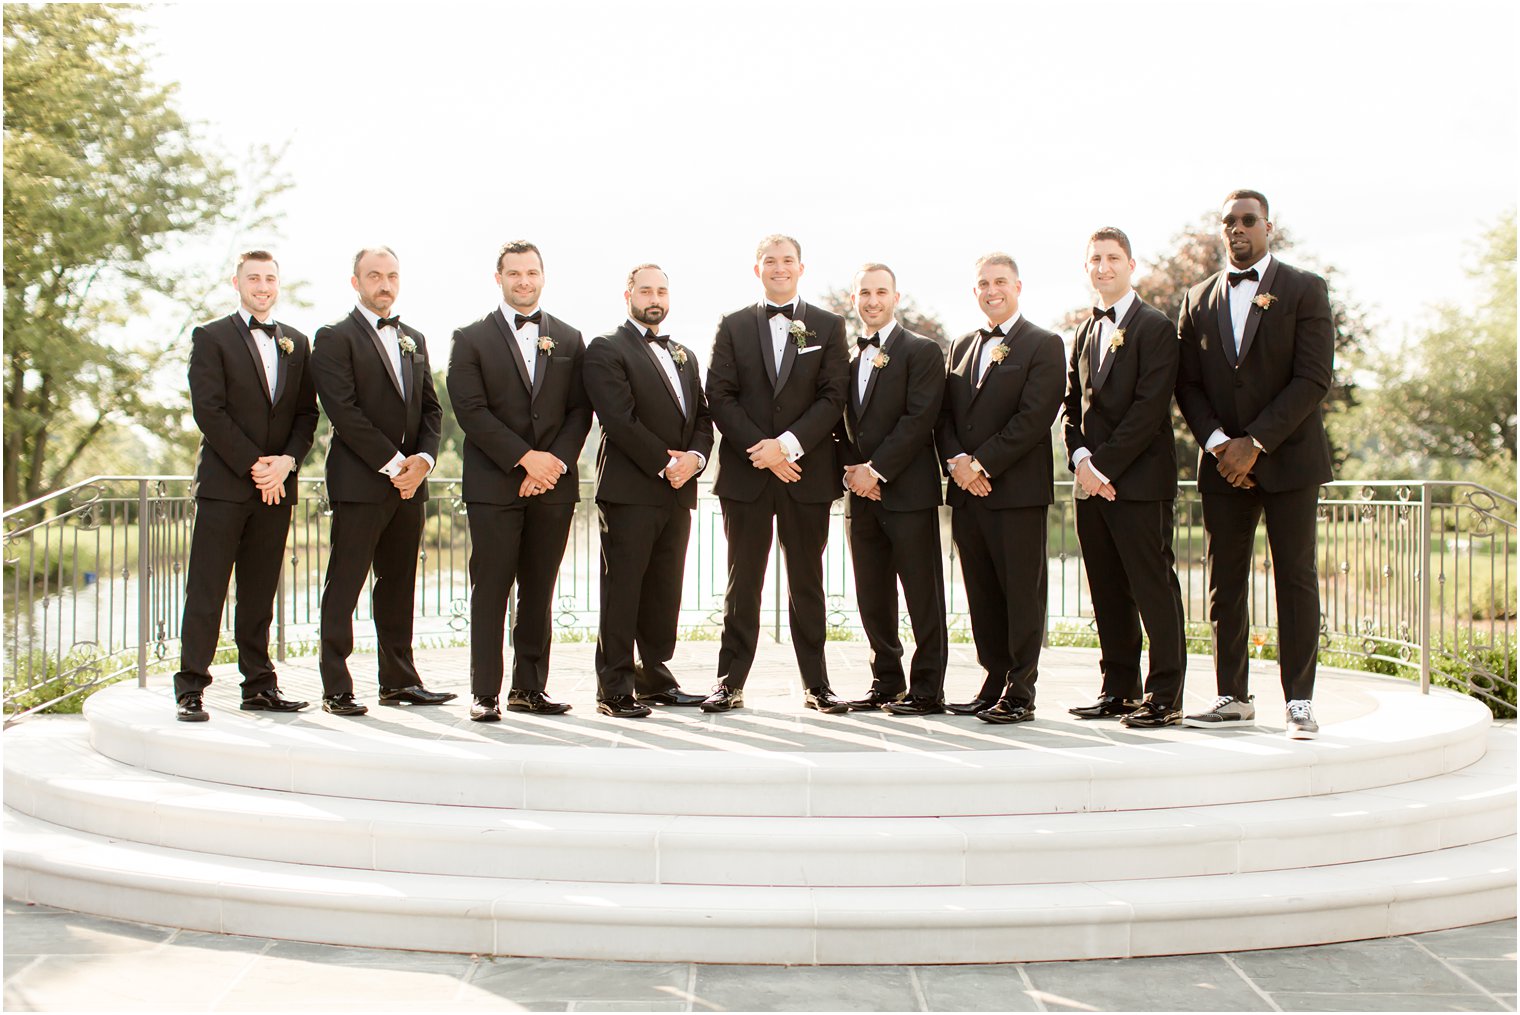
column 408, row 345
column 286, row 345
column 1264, row 300
column 800, row 334
column 678, row 355
column 1117, row 341
column 881, row 360
column 545, row 344
column 999, row 352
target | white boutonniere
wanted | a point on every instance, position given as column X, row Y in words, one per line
column 286, row 345
column 999, row 352
column 545, row 344
column 408, row 345
column 800, row 334
column 678, row 355
column 1117, row 341
column 1264, row 300
column 881, row 360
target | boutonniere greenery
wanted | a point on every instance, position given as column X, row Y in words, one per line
column 545, row 344
column 800, row 334
column 1117, row 341
column 408, row 345
column 286, row 345
column 1264, row 300
column 881, row 360
column 678, row 355
column 999, row 352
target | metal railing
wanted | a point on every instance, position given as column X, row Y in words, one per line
column 1416, row 577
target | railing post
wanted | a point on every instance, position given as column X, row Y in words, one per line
column 1425, row 560
column 143, row 582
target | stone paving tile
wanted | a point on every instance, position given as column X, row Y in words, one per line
column 803, row 988
column 527, row 980
column 33, row 933
column 1485, row 941
column 1174, row 982
column 124, row 982
column 1392, row 966
column 974, row 988
column 1384, row 1002
column 300, row 975
column 1497, row 976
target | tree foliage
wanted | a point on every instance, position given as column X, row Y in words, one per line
column 101, row 172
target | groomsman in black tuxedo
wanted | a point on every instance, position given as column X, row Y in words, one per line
column 777, row 385
column 373, row 379
column 656, row 436
column 1002, row 394
column 515, row 382
column 891, row 473
column 1119, row 442
column 1257, row 345
column 253, row 399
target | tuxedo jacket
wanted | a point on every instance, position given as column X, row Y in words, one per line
column 892, row 427
column 807, row 398
column 641, row 418
column 1273, row 388
column 1122, row 412
column 504, row 416
column 239, row 420
column 371, row 418
column 1005, row 424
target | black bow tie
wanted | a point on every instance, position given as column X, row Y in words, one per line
column 786, row 311
column 663, row 340
column 1237, row 277
column 267, row 327
column 863, row 341
column 1109, row 313
column 995, row 333
column 532, row 318
column 388, row 322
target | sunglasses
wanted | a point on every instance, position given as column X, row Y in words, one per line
column 1248, row 221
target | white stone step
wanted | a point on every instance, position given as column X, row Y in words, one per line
column 596, row 920
column 726, row 770
column 52, row 773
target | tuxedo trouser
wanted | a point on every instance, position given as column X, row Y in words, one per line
column 803, row 530
column 1230, row 518
column 643, row 566
column 246, row 539
column 522, row 543
column 385, row 537
column 1132, row 576
column 887, row 547
column 1004, row 564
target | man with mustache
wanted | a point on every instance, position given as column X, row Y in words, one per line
column 375, row 384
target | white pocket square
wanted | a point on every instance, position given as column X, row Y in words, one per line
column 811, row 348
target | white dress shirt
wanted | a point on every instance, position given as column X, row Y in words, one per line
column 985, row 362
column 780, row 335
column 868, row 361
column 390, row 340
column 269, row 352
column 527, row 338
column 1240, row 294
column 1102, row 335
column 667, row 363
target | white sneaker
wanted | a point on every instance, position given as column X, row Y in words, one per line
column 1226, row 711
column 1301, row 724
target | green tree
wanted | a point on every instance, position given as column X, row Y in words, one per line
column 101, row 173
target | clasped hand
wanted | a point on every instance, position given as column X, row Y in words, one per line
column 543, row 471
column 414, row 470
column 769, row 454
column 1087, row 477
column 1237, row 457
column 269, row 474
column 862, row 482
column 683, row 465
column 964, row 476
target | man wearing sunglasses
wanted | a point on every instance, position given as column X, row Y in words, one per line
column 1257, row 346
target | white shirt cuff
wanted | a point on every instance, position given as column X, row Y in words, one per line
column 1215, row 439
column 431, row 463
column 879, row 477
column 1081, row 455
column 392, row 468
column 791, row 446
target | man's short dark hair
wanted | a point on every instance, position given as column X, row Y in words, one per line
column 256, row 255
column 372, row 250
column 519, row 247
column 1115, row 234
column 1248, row 195
column 997, row 257
column 777, row 238
column 628, row 286
column 876, row 266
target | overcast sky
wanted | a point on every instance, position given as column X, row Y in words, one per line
column 920, row 134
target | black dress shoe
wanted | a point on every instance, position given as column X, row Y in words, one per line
column 674, row 696
column 1151, row 716
column 624, row 707
column 535, row 702
column 971, row 707
column 485, row 709
column 1107, row 706
column 190, row 709
column 270, row 701
column 342, row 704
column 723, row 699
column 415, row 695
column 824, row 700
column 876, row 699
column 917, row 706
column 1004, row 712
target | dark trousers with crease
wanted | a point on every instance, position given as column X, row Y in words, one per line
column 643, row 564
column 1003, row 562
column 888, row 547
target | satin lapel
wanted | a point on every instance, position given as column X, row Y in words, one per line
column 1221, row 298
column 253, row 350
column 788, row 351
column 408, row 373
column 875, row 373
column 967, row 366
column 659, row 368
column 1254, row 317
column 1089, row 355
column 763, row 329
column 992, row 369
column 689, row 389
column 512, row 349
column 541, row 358
column 1108, row 362
column 281, row 364
column 379, row 344
column 855, row 400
